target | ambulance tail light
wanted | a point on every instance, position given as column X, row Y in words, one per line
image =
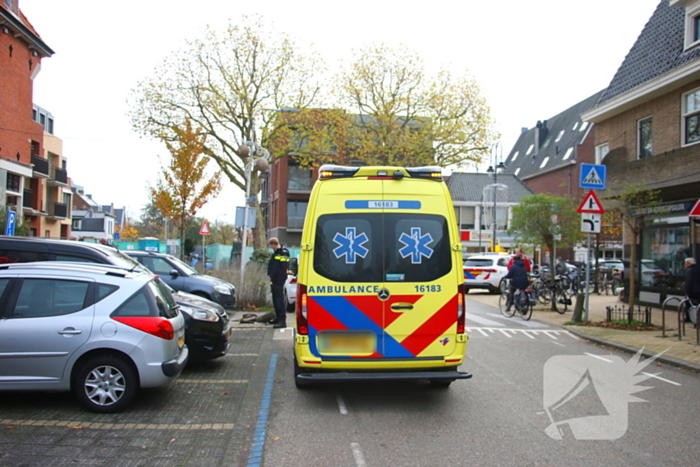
column 302, row 316
column 328, row 171
column 461, row 310
column 431, row 173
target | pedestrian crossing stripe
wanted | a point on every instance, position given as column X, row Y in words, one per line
column 551, row 333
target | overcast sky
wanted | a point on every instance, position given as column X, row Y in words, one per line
column 532, row 59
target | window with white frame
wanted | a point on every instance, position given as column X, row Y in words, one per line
column 691, row 117
column 600, row 152
column 692, row 25
column 644, row 138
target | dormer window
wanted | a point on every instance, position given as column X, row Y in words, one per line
column 692, row 24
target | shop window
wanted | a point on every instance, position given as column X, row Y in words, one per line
column 665, row 246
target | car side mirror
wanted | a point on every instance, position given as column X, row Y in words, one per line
column 294, row 266
column 174, row 273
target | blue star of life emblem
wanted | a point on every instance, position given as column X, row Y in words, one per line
column 416, row 245
column 350, row 245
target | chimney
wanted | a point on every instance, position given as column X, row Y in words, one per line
column 540, row 134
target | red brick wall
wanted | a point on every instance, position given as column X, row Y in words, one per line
column 621, row 130
column 16, row 124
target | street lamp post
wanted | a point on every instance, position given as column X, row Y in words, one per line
column 500, row 167
column 245, row 150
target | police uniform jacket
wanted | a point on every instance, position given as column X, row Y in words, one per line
column 277, row 268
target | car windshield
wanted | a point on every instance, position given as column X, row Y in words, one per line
column 182, row 265
column 122, row 260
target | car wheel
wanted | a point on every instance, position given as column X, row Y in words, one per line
column 105, row 384
column 300, row 384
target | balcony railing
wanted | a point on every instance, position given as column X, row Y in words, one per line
column 27, row 199
column 60, row 175
column 41, row 165
column 60, row 210
column 295, row 222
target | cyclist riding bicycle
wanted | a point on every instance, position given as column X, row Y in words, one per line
column 518, row 279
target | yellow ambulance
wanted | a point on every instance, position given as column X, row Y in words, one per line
column 380, row 289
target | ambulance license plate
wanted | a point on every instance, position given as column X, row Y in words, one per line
column 347, row 343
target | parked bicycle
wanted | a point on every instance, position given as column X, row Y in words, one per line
column 559, row 290
column 608, row 281
column 523, row 302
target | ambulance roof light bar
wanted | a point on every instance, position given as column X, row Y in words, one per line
column 336, row 171
column 430, row 172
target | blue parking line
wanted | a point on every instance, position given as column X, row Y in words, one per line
column 256, row 449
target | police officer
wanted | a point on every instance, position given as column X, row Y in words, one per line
column 277, row 270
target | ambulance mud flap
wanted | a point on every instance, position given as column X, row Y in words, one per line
column 358, row 376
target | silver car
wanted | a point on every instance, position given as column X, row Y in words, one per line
column 97, row 330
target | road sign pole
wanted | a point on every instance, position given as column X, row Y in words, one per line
column 588, row 274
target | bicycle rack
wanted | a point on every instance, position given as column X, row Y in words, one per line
column 663, row 315
column 681, row 320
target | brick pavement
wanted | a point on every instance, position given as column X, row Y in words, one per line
column 207, row 417
column 683, row 353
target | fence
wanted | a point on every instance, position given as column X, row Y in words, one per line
column 622, row 314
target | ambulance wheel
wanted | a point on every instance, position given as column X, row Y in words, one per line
column 441, row 383
column 300, row 384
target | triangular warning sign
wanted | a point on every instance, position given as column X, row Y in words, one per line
column 695, row 212
column 204, row 230
column 593, row 178
column 591, row 204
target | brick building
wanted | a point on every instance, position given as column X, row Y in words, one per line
column 33, row 178
column 548, row 158
column 647, row 133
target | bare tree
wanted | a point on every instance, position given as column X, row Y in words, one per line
column 224, row 82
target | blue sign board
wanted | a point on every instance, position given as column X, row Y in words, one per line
column 10, row 222
column 592, row 176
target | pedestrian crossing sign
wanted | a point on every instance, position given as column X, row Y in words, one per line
column 592, row 176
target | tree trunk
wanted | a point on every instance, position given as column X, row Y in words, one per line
column 578, row 308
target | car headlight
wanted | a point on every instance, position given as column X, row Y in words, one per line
column 222, row 289
column 199, row 313
column 204, row 315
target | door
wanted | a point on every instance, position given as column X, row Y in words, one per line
column 45, row 323
column 381, row 272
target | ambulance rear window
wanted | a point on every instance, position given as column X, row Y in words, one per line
column 376, row 247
